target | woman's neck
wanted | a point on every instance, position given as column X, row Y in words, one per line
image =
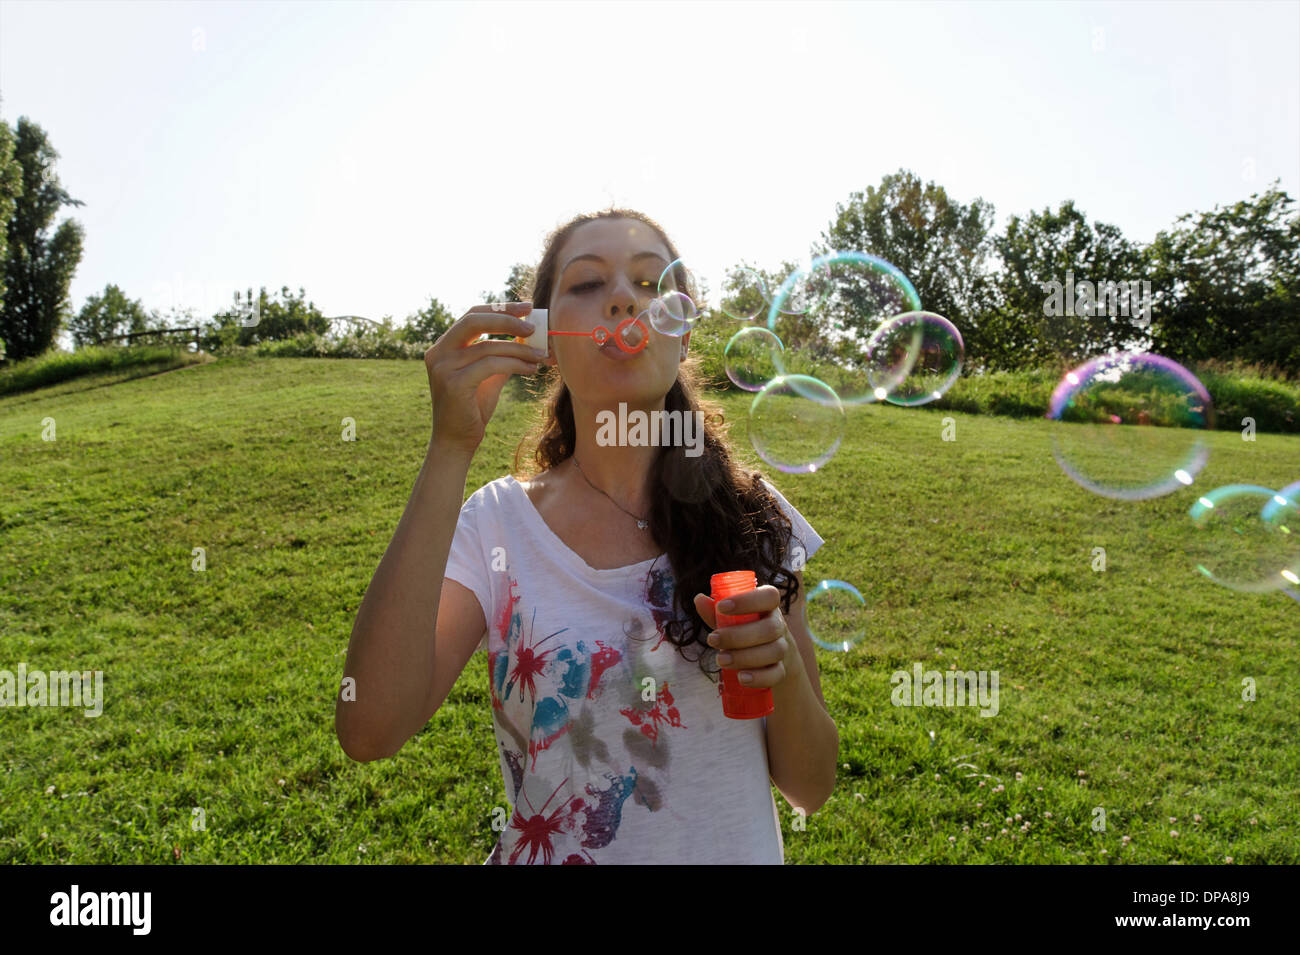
column 608, row 460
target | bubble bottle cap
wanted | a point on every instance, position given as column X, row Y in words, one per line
column 538, row 339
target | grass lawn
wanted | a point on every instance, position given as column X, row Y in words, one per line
column 1120, row 690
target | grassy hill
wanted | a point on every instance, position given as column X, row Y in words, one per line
column 1120, row 690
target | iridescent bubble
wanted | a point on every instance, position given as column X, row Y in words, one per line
column 1289, row 493
column 1237, row 546
column 802, row 292
column 835, row 615
column 673, row 314
column 676, row 309
column 849, row 295
column 678, row 278
column 743, row 294
column 796, row 423
column 1128, row 425
column 863, row 290
column 914, row 358
column 751, row 357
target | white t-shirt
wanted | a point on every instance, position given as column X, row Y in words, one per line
column 599, row 764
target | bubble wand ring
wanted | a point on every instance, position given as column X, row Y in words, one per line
column 600, row 335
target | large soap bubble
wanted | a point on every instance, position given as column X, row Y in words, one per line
column 750, row 357
column 842, row 299
column 1129, row 425
column 1247, row 538
column 796, row 424
column 675, row 309
column 743, row 294
column 914, row 358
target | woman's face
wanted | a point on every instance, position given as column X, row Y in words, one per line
column 609, row 271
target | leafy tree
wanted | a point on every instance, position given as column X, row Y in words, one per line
column 265, row 318
column 738, row 297
column 1228, row 284
column 518, row 285
column 11, row 185
column 428, row 324
column 938, row 243
column 107, row 315
column 38, row 266
column 1035, row 316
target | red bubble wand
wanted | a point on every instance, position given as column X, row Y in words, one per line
column 600, row 335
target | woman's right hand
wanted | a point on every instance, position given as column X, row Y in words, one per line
column 466, row 375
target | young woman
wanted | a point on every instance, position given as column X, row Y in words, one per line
column 588, row 585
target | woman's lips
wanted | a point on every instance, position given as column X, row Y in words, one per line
column 611, row 351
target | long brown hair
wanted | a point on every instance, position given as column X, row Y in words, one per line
column 708, row 514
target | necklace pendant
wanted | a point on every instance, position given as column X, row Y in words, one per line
column 641, row 525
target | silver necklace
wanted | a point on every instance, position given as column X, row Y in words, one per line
column 641, row 523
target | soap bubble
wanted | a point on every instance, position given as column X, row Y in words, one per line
column 835, row 615
column 1247, row 538
column 1289, row 493
column 669, row 281
column 848, row 295
column 673, row 314
column 751, row 357
column 802, row 292
column 914, row 358
column 743, row 294
column 796, row 423
column 1128, row 425
column 675, row 310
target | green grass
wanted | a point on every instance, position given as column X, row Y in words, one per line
column 975, row 553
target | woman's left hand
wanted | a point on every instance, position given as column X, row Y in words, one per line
column 761, row 650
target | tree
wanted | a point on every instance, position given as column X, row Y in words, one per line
column 1228, row 284
column 107, row 315
column 739, row 297
column 1036, row 317
column 283, row 316
column 938, row 243
column 11, row 186
column 38, row 267
column 428, row 324
column 519, row 285
column 11, row 179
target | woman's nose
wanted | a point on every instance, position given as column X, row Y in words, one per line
column 624, row 298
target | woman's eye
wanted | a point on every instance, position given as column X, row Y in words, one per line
column 587, row 286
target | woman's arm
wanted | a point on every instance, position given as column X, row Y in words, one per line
column 391, row 655
column 803, row 741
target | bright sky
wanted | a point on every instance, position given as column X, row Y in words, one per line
column 379, row 154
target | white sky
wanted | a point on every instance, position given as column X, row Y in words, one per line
column 379, row 154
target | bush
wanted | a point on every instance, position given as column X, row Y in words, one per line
column 370, row 343
column 54, row 365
